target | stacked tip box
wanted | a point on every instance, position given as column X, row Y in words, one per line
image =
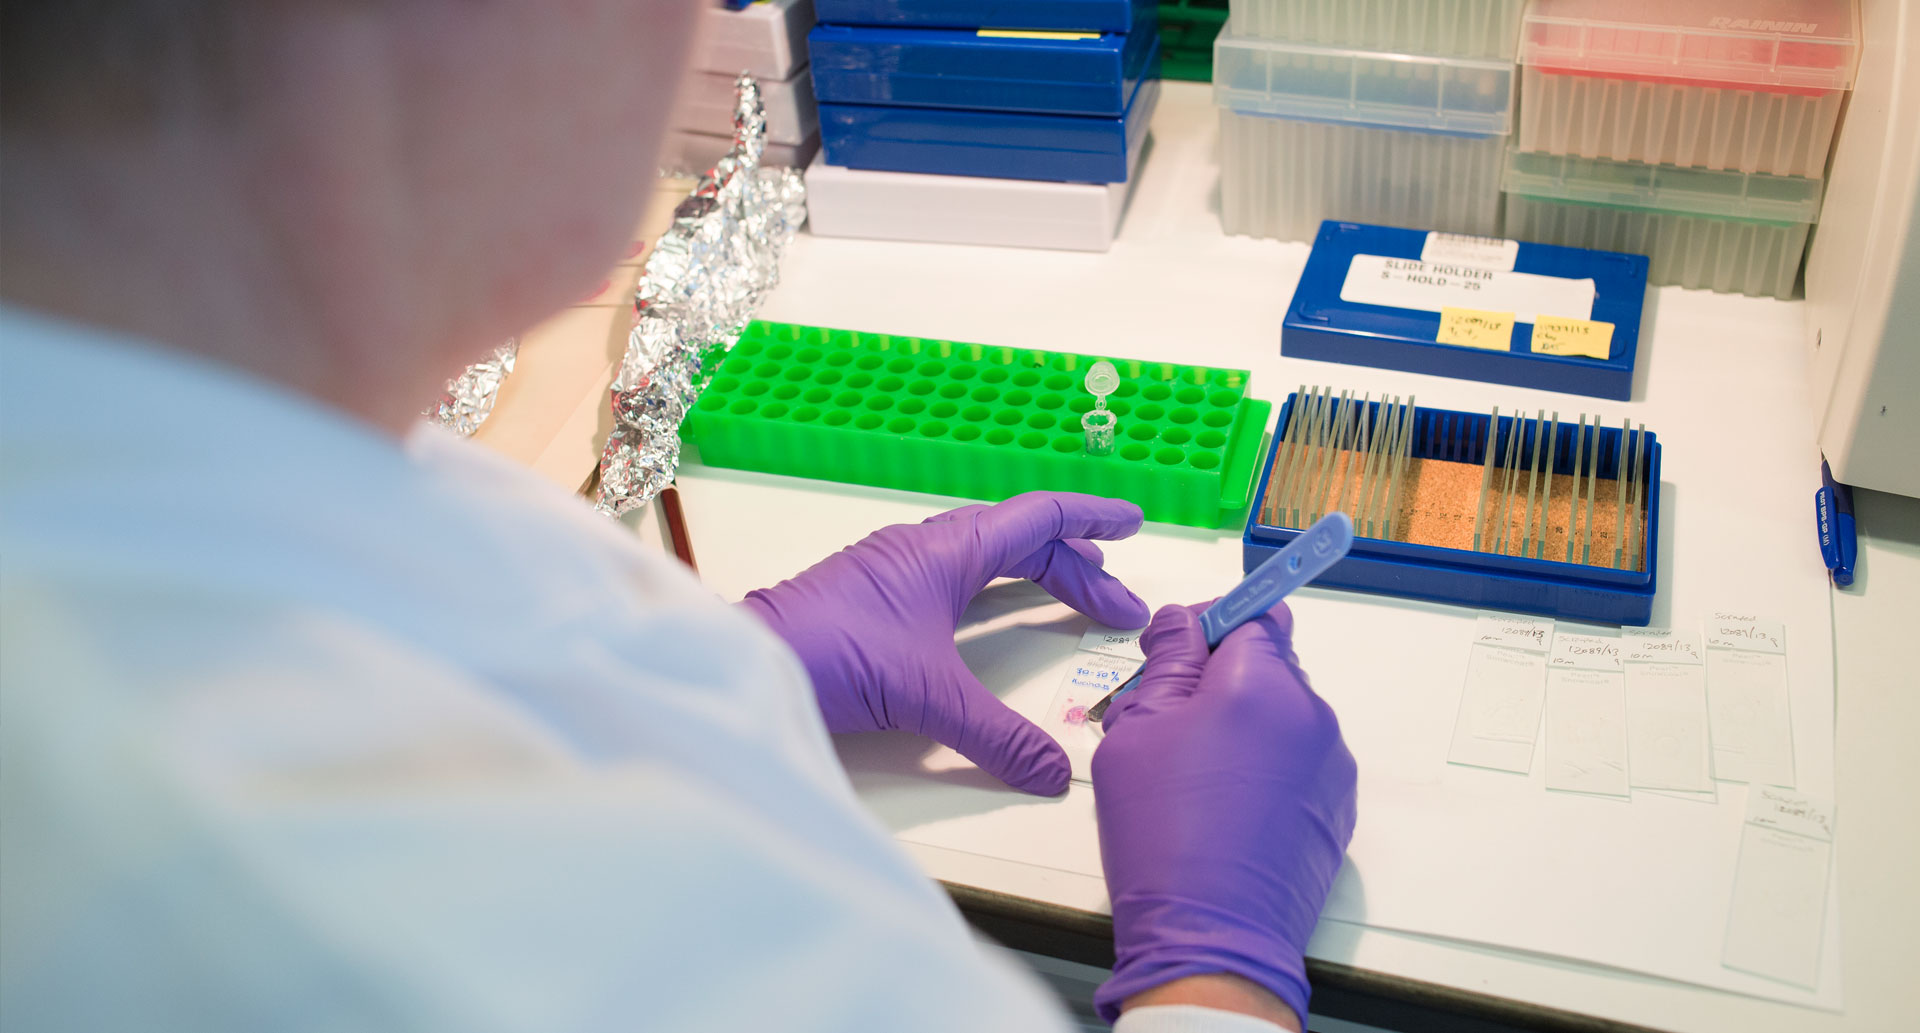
column 768, row 40
column 1368, row 110
column 1694, row 133
column 979, row 421
column 940, row 118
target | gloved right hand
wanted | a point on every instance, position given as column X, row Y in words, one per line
column 1225, row 798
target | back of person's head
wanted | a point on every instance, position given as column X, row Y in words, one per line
column 353, row 197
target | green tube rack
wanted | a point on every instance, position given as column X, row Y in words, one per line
column 978, row 421
column 1187, row 29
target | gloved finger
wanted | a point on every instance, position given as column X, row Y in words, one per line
column 1177, row 654
column 1072, row 576
column 1017, row 528
column 955, row 514
column 959, row 712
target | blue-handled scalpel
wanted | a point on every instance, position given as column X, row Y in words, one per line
column 1303, row 559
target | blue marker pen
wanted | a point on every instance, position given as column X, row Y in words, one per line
column 1303, row 559
column 1833, row 514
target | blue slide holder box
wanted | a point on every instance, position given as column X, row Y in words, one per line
column 1320, row 325
column 1062, row 74
column 1057, row 15
column 1549, row 587
column 995, row 144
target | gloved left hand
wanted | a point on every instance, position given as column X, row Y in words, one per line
column 874, row 622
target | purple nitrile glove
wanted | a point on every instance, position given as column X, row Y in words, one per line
column 1226, row 801
column 874, row 622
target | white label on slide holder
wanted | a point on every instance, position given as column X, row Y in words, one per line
column 1432, row 286
column 1776, row 922
column 1461, row 249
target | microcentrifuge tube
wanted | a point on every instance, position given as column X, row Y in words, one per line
column 1100, row 422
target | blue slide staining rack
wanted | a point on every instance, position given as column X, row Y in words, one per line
column 1486, row 510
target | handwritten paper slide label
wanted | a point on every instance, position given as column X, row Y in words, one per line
column 1433, row 286
column 1731, row 629
column 1586, row 725
column 1499, row 716
column 1667, row 744
column 1553, row 335
column 1586, row 652
column 1089, row 677
column 1510, row 632
column 1751, row 726
column 1660, row 646
column 1472, row 328
column 1461, row 249
column 1113, row 642
column 1777, row 919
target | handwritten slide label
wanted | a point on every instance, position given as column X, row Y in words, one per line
column 1472, row 328
column 1089, row 677
column 1509, row 632
column 1667, row 744
column 1777, row 920
column 1660, row 646
column 1434, row 286
column 1731, row 629
column 1499, row 717
column 1113, row 642
column 1461, row 249
column 1553, row 335
column 1585, row 652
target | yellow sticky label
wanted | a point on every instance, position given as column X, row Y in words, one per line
column 1028, row 34
column 1555, row 335
column 1472, row 328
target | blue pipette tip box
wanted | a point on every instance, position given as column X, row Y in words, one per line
column 1060, row 15
column 1367, row 298
column 999, row 144
column 1548, row 584
column 1061, row 73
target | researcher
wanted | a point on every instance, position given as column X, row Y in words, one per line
column 315, row 719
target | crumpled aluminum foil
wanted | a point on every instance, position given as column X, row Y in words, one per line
column 469, row 397
column 701, row 286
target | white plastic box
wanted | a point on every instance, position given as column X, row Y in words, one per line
column 1688, row 83
column 706, row 100
column 1439, row 28
column 1310, row 132
column 875, row 205
column 768, row 40
column 1722, row 230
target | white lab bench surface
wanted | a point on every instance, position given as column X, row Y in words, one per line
column 1176, row 288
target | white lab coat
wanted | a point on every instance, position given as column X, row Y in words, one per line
column 303, row 730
